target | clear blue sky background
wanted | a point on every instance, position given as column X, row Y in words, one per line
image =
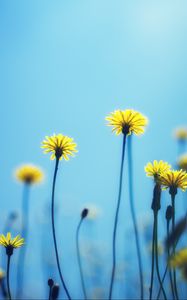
column 64, row 66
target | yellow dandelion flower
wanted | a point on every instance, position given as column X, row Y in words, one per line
column 127, row 122
column 174, row 179
column 182, row 162
column 179, row 260
column 156, row 168
column 60, row 146
column 11, row 243
column 181, row 134
column 29, row 174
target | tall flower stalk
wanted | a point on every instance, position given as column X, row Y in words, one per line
column 83, row 216
column 123, row 122
column 155, row 170
column 10, row 244
column 131, row 194
column 28, row 175
column 116, row 219
column 173, row 180
column 61, row 147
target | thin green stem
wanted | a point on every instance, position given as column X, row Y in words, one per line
column 53, row 229
column 173, row 252
column 152, row 262
column 156, row 254
column 50, row 288
column 24, row 233
column 166, row 269
column 79, row 258
column 170, row 273
column 8, row 277
column 116, row 219
column 133, row 215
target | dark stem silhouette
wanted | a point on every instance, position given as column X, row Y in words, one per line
column 116, row 219
column 53, row 229
column 8, row 276
column 173, row 250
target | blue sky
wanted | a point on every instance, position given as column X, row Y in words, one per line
column 64, row 66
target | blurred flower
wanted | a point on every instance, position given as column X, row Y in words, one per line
column 29, row 174
column 156, row 168
column 60, row 145
column 174, row 179
column 2, row 274
column 11, row 243
column 160, row 248
column 127, row 121
column 182, row 162
column 98, row 293
column 181, row 134
column 179, row 260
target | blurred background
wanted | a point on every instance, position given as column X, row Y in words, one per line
column 64, row 66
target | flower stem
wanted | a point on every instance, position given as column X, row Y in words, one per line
column 156, row 254
column 170, row 273
column 166, row 269
column 131, row 195
column 79, row 259
column 152, row 261
column 173, row 253
column 116, row 219
column 24, row 233
column 53, row 229
column 8, row 275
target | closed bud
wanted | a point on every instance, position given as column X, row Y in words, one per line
column 84, row 213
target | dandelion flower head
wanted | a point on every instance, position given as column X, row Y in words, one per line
column 182, row 162
column 156, row 168
column 127, row 122
column 29, row 174
column 174, row 179
column 179, row 260
column 11, row 243
column 60, row 146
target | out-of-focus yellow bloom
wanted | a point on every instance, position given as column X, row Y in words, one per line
column 174, row 179
column 127, row 122
column 9, row 242
column 179, row 260
column 60, row 146
column 182, row 162
column 2, row 274
column 29, row 174
column 156, row 168
column 181, row 134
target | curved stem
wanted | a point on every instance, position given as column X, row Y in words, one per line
column 24, row 233
column 170, row 273
column 166, row 269
column 173, row 253
column 8, row 275
column 152, row 261
column 53, row 229
column 79, row 259
column 116, row 219
column 156, row 253
column 131, row 195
